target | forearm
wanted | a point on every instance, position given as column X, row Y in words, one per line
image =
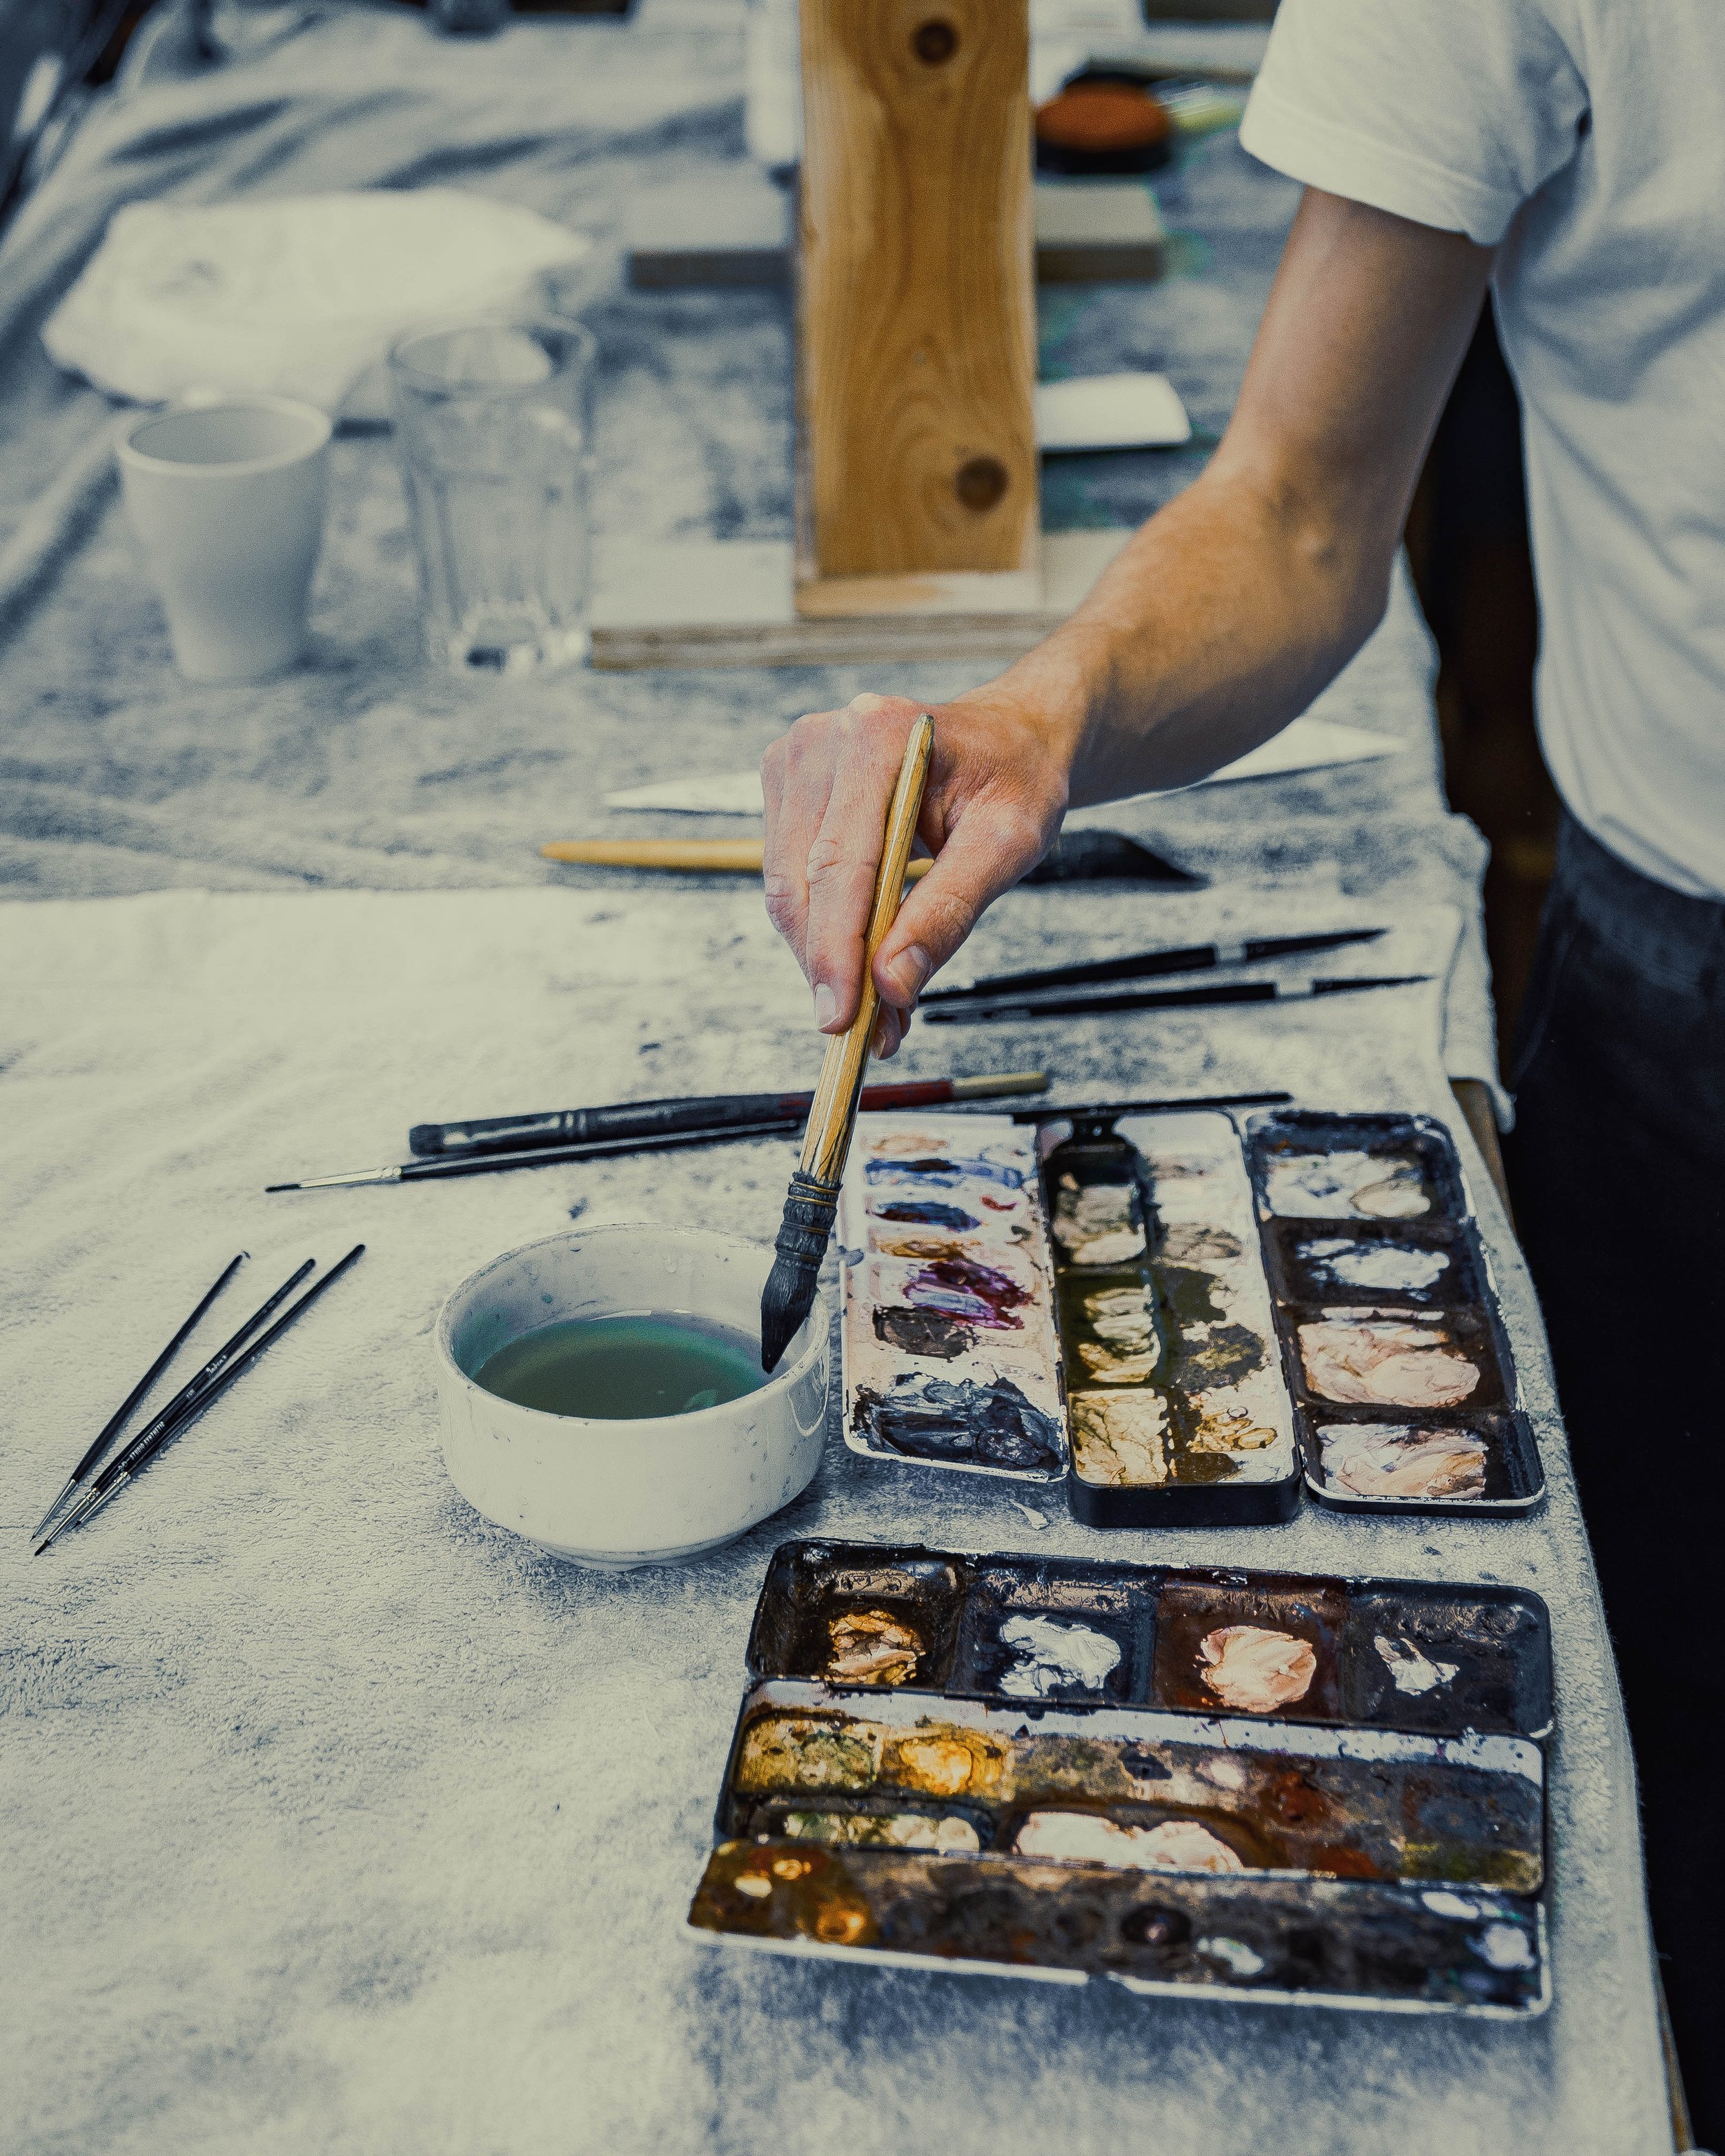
column 1219, row 622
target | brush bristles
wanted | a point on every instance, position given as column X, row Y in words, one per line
column 788, row 1296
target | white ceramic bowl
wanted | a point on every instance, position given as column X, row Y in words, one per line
column 621, row 1493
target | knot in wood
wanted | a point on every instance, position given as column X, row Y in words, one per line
column 982, row 482
column 934, row 41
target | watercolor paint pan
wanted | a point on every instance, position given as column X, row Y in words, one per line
column 1404, row 1364
column 1054, row 1629
column 1381, row 1654
column 1175, row 1402
column 1132, row 1789
column 1469, row 1657
column 949, row 1357
column 1348, row 1169
column 905, row 1829
column 812, row 1618
column 1494, row 1469
column 1279, row 1941
column 1419, row 1265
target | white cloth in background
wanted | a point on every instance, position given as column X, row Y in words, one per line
column 1585, row 139
column 297, row 297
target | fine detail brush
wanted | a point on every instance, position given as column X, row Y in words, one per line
column 183, row 1402
column 116, row 1422
column 130, row 1463
column 711, row 1111
column 492, row 1163
column 813, row 1200
column 1211, row 993
column 1144, row 965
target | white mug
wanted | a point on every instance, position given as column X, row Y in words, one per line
column 228, row 499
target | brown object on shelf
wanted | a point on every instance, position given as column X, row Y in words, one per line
column 916, row 350
column 1103, row 123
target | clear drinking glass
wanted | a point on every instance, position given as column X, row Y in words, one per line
column 493, row 420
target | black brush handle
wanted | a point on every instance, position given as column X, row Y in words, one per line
column 632, row 1119
column 1145, row 965
column 190, row 1392
column 116, row 1421
column 196, row 1406
column 991, row 1013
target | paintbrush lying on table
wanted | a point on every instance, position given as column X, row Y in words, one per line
column 639, row 1126
column 224, row 1366
column 709, row 1112
column 1075, row 857
column 1146, row 965
column 1210, row 994
column 813, row 1200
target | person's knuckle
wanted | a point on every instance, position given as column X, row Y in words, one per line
column 827, row 860
column 784, row 904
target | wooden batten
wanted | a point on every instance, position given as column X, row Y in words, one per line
column 915, row 308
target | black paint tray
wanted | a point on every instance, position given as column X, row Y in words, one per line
column 1178, row 1416
column 1495, row 1640
column 1406, row 1285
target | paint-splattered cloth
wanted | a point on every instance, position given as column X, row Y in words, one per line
column 344, row 1821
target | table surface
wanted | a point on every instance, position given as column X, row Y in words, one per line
column 365, row 772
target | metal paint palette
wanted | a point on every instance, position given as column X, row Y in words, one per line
column 949, row 1349
column 1176, row 1404
column 1384, row 1852
column 1392, row 1341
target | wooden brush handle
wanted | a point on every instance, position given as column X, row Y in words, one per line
column 827, row 1139
column 707, row 856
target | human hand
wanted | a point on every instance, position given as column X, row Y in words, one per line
column 996, row 793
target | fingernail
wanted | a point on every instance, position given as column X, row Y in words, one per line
column 908, row 971
column 826, row 1005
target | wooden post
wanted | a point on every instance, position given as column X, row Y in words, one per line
column 916, row 310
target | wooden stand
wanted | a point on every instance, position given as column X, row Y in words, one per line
column 916, row 307
column 917, row 529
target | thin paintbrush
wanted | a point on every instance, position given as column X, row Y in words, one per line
column 814, row 1196
column 1212, row 993
column 116, row 1421
column 490, row 1164
column 711, row 1111
column 130, row 1463
column 184, row 1399
column 1144, row 965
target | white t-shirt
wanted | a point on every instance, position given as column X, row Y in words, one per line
column 1585, row 140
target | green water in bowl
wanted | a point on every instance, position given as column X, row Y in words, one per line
column 622, row 1369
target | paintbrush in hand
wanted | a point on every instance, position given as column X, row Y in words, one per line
column 814, row 1196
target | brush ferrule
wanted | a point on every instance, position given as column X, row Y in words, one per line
column 807, row 1227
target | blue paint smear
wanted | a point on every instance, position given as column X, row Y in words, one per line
column 943, row 1172
column 925, row 1212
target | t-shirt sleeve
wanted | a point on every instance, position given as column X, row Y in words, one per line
column 1451, row 113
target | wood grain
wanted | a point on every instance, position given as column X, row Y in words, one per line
column 915, row 291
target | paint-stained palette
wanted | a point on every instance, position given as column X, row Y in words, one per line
column 1391, row 1341
column 949, row 1347
column 1175, row 1405
column 1257, row 1785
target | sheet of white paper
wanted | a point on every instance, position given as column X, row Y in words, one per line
column 1111, row 412
column 1306, row 745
